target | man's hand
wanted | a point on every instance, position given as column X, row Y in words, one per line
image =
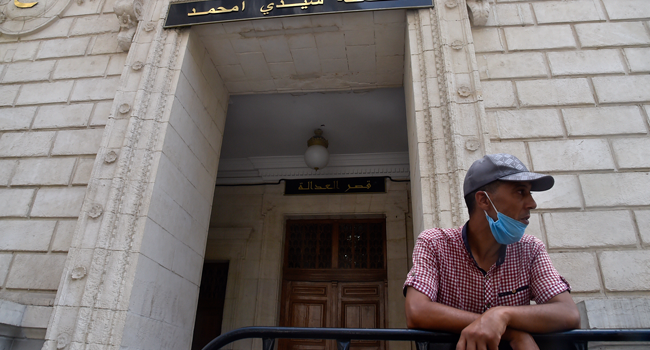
column 485, row 332
column 520, row 340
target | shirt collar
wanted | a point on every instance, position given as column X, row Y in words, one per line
column 502, row 249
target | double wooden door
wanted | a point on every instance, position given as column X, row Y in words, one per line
column 334, row 276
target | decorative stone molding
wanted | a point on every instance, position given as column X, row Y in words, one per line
column 129, row 13
column 479, row 11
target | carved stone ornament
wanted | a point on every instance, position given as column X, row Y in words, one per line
column 149, row 26
column 78, row 273
column 472, row 145
column 457, row 45
column 62, row 340
column 464, row 91
column 124, row 108
column 110, row 157
column 479, row 11
column 137, row 65
column 451, row 3
column 18, row 18
column 95, row 211
column 129, row 13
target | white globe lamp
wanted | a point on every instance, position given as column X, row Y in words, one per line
column 317, row 155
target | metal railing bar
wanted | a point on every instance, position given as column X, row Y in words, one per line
column 343, row 335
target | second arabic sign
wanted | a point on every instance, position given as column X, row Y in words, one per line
column 329, row 186
column 198, row 12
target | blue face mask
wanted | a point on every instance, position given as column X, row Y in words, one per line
column 505, row 230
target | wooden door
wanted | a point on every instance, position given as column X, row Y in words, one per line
column 209, row 311
column 334, row 276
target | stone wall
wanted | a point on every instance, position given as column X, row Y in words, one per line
column 56, row 90
column 567, row 90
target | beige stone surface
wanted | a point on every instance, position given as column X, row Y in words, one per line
column 38, row 93
column 63, row 47
column 16, row 118
column 616, row 189
column 26, row 235
column 6, row 171
column 554, row 92
column 564, row 194
column 5, row 261
column 528, row 123
column 36, row 271
column 539, row 37
column 632, row 153
column 77, row 141
column 26, row 144
column 627, row 9
column 579, row 269
column 566, row 11
column 28, row 71
column 63, row 235
column 585, row 62
column 612, row 34
column 625, row 270
column 590, row 229
column 589, row 121
column 637, row 59
column 590, row 154
column 623, row 89
column 15, row 202
column 58, row 202
column 512, row 65
column 58, row 116
column 498, row 94
column 643, row 223
column 43, row 171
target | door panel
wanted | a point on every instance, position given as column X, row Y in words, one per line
column 306, row 304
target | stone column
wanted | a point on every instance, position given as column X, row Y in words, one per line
column 132, row 274
column 445, row 114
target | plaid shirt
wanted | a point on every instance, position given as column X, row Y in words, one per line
column 445, row 270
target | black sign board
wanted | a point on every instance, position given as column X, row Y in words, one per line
column 211, row 11
column 329, row 186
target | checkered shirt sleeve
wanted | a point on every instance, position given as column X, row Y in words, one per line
column 424, row 275
column 546, row 282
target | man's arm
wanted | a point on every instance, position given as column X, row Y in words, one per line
column 507, row 322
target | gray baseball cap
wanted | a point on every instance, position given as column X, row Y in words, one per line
column 504, row 167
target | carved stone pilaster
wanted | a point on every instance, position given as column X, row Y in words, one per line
column 129, row 13
column 479, row 11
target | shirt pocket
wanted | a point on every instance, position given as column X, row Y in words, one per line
column 514, row 297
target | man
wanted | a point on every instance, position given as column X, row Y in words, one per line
column 478, row 280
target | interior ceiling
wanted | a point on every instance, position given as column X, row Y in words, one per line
column 280, row 124
column 287, row 76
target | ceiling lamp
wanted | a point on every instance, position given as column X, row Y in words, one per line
column 317, row 155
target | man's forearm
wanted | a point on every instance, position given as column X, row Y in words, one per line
column 422, row 313
column 559, row 314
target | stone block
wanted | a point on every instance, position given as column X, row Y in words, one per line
column 631, row 312
column 539, row 37
column 643, row 223
column 512, row 14
column 589, row 229
column 498, row 94
column 45, row 93
column 585, row 62
column 625, row 271
column 528, row 123
column 95, row 89
column 58, row 202
column 77, row 142
column 568, row 155
column 59, row 116
column 105, row 43
column 116, row 64
column 36, row 271
column 566, row 11
column 101, row 113
column 517, row 149
column 630, row 88
column 11, row 313
column 5, row 261
column 512, row 65
column 627, row 9
column 26, row 144
column 36, row 316
column 589, row 121
column 554, row 92
column 83, row 171
column 15, row 202
column 43, row 171
column 579, row 269
column 638, row 60
column 6, row 170
column 63, row 235
column 564, row 194
column 17, row 118
column 612, row 34
column 58, row 28
column 95, row 25
column 632, row 153
column 26, row 235
column 63, row 47
column 28, row 71
column 8, row 94
column 487, row 40
column 614, row 189
column 82, row 67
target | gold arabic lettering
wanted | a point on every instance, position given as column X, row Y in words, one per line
column 219, row 9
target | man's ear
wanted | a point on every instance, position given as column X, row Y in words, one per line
column 482, row 201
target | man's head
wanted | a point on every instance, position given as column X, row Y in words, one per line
column 493, row 170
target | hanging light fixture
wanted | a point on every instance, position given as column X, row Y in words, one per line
column 317, row 155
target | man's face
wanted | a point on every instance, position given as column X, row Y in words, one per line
column 512, row 199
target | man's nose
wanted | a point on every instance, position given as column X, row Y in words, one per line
column 531, row 204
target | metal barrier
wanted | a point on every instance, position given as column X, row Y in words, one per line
column 423, row 339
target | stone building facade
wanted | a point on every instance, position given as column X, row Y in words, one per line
column 111, row 130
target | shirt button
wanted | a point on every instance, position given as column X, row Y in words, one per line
column 487, row 306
